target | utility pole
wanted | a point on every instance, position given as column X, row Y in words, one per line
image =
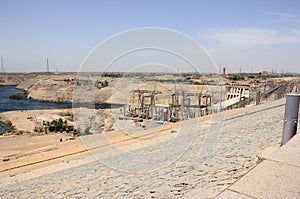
column 2, row 66
column 47, row 65
column 290, row 117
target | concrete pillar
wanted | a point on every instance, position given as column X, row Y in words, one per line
column 258, row 97
column 290, row 117
column 199, row 100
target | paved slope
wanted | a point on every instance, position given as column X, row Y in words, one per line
column 209, row 164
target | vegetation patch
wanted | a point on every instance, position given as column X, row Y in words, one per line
column 19, row 96
column 8, row 126
column 69, row 116
column 59, row 125
column 236, row 78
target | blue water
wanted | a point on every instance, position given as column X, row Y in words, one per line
column 7, row 104
column 2, row 128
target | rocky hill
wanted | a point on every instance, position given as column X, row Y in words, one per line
column 66, row 88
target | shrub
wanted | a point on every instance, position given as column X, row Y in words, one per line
column 236, row 77
column 9, row 127
column 19, row 96
column 59, row 125
column 56, row 125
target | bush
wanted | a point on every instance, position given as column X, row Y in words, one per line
column 69, row 128
column 87, row 131
column 19, row 96
column 9, row 127
column 236, row 77
column 59, row 125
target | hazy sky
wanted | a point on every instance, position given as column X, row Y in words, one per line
column 253, row 35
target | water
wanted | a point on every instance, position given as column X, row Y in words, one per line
column 7, row 104
column 2, row 128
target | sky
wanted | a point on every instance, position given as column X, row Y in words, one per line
column 246, row 35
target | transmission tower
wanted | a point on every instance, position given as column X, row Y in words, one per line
column 2, row 66
column 47, row 65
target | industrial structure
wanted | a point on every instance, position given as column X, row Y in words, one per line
column 176, row 106
column 237, row 96
column 167, row 105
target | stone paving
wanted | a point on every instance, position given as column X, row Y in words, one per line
column 277, row 176
column 203, row 160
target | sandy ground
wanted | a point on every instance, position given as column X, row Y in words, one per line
column 27, row 152
column 27, row 120
column 32, row 146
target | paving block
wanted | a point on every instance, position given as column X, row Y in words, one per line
column 270, row 180
column 294, row 142
column 232, row 195
column 288, row 155
column 267, row 153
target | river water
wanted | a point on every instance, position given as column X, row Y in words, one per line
column 7, row 104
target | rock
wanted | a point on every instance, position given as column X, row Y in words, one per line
column 5, row 159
